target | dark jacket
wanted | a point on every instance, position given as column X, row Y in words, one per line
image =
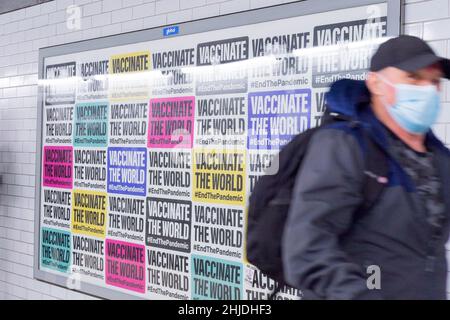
column 329, row 242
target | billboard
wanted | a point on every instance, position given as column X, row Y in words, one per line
column 152, row 142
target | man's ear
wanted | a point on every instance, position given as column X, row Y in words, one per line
column 373, row 83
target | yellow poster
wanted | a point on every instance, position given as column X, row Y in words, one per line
column 129, row 76
column 89, row 213
column 219, row 176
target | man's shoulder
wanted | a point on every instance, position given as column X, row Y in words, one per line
column 338, row 142
column 338, row 135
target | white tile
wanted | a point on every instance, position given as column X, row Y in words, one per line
column 131, row 3
column 92, row 33
column 440, row 131
column 48, row 7
column 234, row 6
column 144, row 10
column 122, row 15
column 33, row 295
column 187, row 4
column 440, row 47
column 61, row 28
column 13, row 235
column 111, row 29
column 448, row 48
column 155, row 21
column 426, row 11
column 263, row 3
column 26, row 24
column 414, row 29
column 443, row 90
column 179, row 16
column 206, row 11
column 111, row 5
column 27, row 236
column 56, row 40
column 57, row 16
column 58, row 292
column 19, row 292
column 136, row 24
column 447, row 141
column 83, row 2
column 165, row 6
column 40, row 21
column 446, row 83
column 11, row 27
column 92, row 8
column 32, row 11
column 63, row 4
column 86, row 23
column 436, row 30
column 18, row 15
column 4, row 82
column 101, row 19
column 73, row 36
column 444, row 115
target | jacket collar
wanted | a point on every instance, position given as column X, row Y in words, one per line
column 352, row 99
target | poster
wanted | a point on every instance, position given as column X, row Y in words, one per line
column 150, row 150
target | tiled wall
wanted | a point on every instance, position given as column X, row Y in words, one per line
column 24, row 31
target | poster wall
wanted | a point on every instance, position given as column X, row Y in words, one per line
column 151, row 150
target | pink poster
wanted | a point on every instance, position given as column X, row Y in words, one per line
column 58, row 167
column 171, row 122
column 125, row 265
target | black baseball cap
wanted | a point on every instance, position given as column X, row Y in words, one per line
column 407, row 53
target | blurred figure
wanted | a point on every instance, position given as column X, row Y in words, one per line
column 395, row 249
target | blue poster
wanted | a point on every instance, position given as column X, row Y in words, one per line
column 91, row 124
column 275, row 117
column 215, row 279
column 127, row 170
column 55, row 249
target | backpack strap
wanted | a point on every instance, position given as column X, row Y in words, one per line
column 376, row 161
column 376, row 171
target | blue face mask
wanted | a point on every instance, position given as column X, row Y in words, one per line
column 416, row 108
